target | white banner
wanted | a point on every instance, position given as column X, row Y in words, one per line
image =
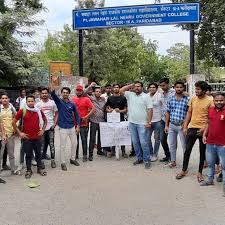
column 113, row 117
column 115, row 134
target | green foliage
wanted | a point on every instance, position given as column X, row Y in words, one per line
column 177, row 62
column 210, row 32
column 16, row 18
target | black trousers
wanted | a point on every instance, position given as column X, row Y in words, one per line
column 29, row 146
column 94, row 128
column 164, row 142
column 5, row 154
column 192, row 136
column 84, row 138
column 48, row 140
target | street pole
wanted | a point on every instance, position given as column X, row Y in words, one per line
column 81, row 55
column 192, row 50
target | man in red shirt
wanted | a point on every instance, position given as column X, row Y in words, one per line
column 33, row 126
column 215, row 139
column 85, row 109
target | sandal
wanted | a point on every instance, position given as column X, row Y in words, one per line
column 180, row 175
column 200, row 178
column 42, row 172
column 28, row 174
column 172, row 165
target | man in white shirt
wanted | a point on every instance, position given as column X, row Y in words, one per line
column 49, row 108
column 21, row 99
column 108, row 92
column 156, row 120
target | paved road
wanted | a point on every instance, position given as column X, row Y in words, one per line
column 111, row 192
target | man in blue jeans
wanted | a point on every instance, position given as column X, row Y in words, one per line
column 214, row 137
column 177, row 107
column 140, row 114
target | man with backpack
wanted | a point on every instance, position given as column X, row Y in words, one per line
column 33, row 126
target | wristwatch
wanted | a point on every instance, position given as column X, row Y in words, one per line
column 149, row 123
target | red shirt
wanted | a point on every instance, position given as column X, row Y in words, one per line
column 83, row 105
column 216, row 135
column 30, row 123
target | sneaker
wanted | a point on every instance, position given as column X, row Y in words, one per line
column 90, row 158
column 19, row 169
column 219, row 178
column 42, row 165
column 47, row 157
column 132, row 154
column 2, row 181
column 124, row 155
column 63, row 167
column 206, row 183
column 34, row 163
column 165, row 159
column 223, row 190
column 147, row 165
column 6, row 167
column 84, row 158
column 137, row 162
column 99, row 152
column 74, row 162
column 53, row 164
column 154, row 158
column 15, row 172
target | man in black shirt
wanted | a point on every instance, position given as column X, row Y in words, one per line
column 118, row 103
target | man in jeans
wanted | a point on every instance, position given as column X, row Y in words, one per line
column 7, row 113
column 68, row 115
column 156, row 120
column 85, row 109
column 177, row 108
column 215, row 139
column 140, row 120
column 194, row 126
column 97, row 117
column 48, row 107
column 33, row 127
column 167, row 93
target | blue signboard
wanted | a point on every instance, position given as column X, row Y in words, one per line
column 142, row 15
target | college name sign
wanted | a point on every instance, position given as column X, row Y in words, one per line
column 141, row 15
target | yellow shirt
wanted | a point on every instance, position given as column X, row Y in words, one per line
column 6, row 120
column 199, row 108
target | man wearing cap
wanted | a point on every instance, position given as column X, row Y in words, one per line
column 85, row 109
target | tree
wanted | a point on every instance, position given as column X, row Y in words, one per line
column 16, row 18
column 210, row 32
column 177, row 62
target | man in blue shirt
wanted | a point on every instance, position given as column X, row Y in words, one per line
column 177, row 107
column 68, row 117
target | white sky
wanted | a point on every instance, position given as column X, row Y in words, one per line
column 60, row 13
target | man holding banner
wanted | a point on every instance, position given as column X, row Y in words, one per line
column 117, row 103
column 140, row 112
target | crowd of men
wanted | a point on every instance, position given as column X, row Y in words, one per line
column 160, row 110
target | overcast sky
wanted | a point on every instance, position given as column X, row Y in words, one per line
column 60, row 13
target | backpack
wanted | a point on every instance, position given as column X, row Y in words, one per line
column 21, row 120
column 12, row 110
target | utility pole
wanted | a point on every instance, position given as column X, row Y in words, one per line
column 81, row 55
